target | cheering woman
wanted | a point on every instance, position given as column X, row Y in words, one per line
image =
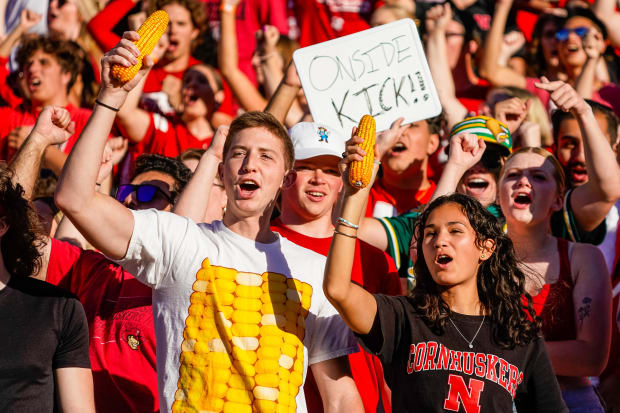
column 462, row 340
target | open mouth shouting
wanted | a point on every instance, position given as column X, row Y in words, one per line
column 476, row 185
column 173, row 45
column 247, row 188
column 34, row 84
column 522, row 200
column 398, row 148
column 443, row 260
column 190, row 97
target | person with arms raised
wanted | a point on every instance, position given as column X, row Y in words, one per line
column 239, row 311
column 462, row 339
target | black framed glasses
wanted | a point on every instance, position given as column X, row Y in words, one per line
column 562, row 34
column 144, row 192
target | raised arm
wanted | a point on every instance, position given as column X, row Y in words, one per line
column 490, row 68
column 272, row 67
column 437, row 18
column 27, row 20
column 53, row 126
column 606, row 11
column 466, row 150
column 228, row 57
column 133, row 120
column 587, row 354
column 285, row 96
column 585, row 83
column 371, row 231
column 103, row 221
column 102, row 24
column 195, row 197
column 591, row 201
column 357, row 306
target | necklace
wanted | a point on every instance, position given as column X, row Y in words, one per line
column 475, row 335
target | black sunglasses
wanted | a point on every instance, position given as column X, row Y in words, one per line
column 144, row 192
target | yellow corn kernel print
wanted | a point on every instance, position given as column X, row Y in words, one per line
column 243, row 342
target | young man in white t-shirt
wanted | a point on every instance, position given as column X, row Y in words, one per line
column 239, row 311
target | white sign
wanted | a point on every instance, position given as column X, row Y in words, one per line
column 381, row 71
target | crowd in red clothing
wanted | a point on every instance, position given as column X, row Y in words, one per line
column 544, row 73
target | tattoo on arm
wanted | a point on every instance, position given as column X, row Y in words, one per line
column 584, row 310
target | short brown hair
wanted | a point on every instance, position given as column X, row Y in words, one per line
column 262, row 120
column 66, row 53
column 196, row 10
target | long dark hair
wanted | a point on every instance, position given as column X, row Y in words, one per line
column 501, row 284
column 21, row 243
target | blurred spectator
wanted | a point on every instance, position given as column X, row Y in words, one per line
column 250, row 16
column 169, row 136
column 50, row 68
column 404, row 183
column 14, row 10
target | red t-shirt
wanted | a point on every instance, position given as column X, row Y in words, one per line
column 375, row 271
column 120, row 319
column 252, row 15
column 169, row 137
column 5, row 90
column 14, row 117
column 388, row 203
column 156, row 76
column 317, row 21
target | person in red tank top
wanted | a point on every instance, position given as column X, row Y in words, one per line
column 568, row 282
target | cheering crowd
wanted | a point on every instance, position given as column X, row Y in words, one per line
column 190, row 241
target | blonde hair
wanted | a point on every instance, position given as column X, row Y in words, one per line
column 558, row 171
column 537, row 112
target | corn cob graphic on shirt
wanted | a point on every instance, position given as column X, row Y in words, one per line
column 243, row 342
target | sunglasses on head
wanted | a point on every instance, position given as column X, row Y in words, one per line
column 144, row 192
column 562, row 34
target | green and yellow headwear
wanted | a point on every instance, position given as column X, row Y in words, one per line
column 489, row 129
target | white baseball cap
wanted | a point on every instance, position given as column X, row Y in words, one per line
column 312, row 139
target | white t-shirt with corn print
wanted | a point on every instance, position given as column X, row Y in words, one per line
column 237, row 322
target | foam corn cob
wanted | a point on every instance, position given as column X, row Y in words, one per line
column 360, row 172
column 150, row 32
column 243, row 342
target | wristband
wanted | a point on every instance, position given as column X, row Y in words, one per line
column 112, row 108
